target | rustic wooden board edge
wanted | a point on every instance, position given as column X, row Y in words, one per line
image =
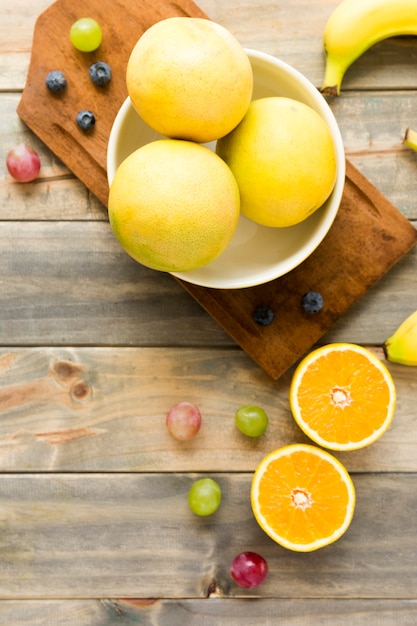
column 52, row 116
column 368, row 229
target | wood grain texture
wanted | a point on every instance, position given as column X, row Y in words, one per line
column 71, row 283
column 93, row 349
column 107, row 536
column 210, row 612
column 339, row 269
column 69, row 409
column 372, row 144
column 56, row 194
column 277, row 29
column 368, row 237
column 87, row 290
column 373, row 126
column 52, row 116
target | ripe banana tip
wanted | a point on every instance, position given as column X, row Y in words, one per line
column 402, row 357
column 396, row 352
column 410, row 139
column 401, row 347
column 333, row 76
column 385, row 347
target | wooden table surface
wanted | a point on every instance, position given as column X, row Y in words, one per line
column 95, row 529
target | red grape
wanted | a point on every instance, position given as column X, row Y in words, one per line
column 183, row 421
column 23, row 163
column 249, row 569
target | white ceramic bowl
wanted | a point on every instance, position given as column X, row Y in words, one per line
column 257, row 254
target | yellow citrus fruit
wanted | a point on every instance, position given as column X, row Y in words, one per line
column 284, row 160
column 302, row 497
column 342, row 396
column 189, row 78
column 173, row 205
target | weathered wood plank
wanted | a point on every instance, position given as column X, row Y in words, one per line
column 56, row 194
column 70, row 409
column 109, row 535
column 287, row 33
column 210, row 612
column 372, row 127
column 85, row 153
column 16, row 31
column 71, row 283
column 80, row 405
column 278, row 29
column 368, row 238
column 373, row 143
column 356, row 324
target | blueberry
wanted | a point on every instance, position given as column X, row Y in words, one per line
column 312, row 302
column 56, row 81
column 100, row 73
column 263, row 315
column 86, row 120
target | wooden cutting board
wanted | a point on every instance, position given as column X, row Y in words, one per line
column 368, row 237
column 52, row 117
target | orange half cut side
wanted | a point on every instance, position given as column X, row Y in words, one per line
column 302, row 497
column 342, row 396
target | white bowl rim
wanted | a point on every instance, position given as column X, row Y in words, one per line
column 298, row 257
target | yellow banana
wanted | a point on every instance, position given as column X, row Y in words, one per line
column 355, row 26
column 401, row 347
column 410, row 139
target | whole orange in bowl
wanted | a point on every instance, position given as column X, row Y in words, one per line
column 342, row 396
column 189, row 78
column 302, row 497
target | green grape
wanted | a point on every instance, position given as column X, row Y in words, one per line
column 251, row 420
column 204, row 496
column 85, row 34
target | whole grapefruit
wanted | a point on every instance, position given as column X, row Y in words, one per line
column 283, row 157
column 173, row 205
column 189, row 78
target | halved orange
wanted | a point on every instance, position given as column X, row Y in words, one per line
column 302, row 497
column 342, row 396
